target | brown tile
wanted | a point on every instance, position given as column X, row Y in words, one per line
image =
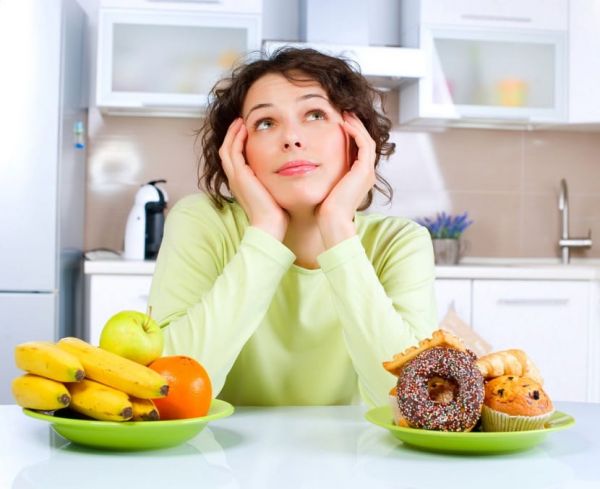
column 125, row 153
column 552, row 155
column 495, row 231
column 477, row 160
column 540, row 229
column 585, row 216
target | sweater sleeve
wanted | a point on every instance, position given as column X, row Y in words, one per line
column 385, row 310
column 208, row 296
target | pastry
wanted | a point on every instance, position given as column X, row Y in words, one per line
column 514, row 403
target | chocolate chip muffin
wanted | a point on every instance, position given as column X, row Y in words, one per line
column 515, row 403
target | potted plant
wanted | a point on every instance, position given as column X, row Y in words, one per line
column 446, row 230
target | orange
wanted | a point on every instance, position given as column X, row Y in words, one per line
column 190, row 389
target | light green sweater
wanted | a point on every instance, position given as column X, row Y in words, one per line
column 271, row 333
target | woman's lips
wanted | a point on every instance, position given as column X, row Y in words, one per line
column 296, row 168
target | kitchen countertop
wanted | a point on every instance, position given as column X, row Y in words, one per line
column 469, row 268
column 289, row 447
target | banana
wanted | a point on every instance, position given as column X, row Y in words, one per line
column 143, row 409
column 99, row 401
column 46, row 359
column 35, row 392
column 116, row 371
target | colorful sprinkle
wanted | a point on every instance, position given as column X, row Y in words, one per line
column 453, row 365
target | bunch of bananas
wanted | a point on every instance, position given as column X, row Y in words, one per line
column 87, row 379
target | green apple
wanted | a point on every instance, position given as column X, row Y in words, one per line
column 133, row 335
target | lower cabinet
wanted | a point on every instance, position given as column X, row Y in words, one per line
column 453, row 294
column 552, row 320
column 549, row 319
column 109, row 294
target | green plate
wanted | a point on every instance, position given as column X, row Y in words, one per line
column 473, row 442
column 132, row 435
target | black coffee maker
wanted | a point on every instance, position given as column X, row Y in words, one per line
column 146, row 222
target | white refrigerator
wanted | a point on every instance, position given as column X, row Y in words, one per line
column 42, row 173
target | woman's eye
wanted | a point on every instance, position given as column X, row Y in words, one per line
column 263, row 124
column 316, row 115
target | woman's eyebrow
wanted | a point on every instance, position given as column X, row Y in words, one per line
column 313, row 95
column 302, row 97
column 257, row 106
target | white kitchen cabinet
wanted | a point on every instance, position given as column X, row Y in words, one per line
column 488, row 64
column 548, row 319
column 456, row 294
column 109, row 294
column 165, row 62
column 532, row 14
column 584, row 73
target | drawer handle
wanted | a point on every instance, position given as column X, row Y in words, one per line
column 533, row 302
column 144, row 297
column 496, row 18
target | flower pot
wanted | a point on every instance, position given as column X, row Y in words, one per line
column 446, row 251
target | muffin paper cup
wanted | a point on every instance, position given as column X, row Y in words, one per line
column 492, row 420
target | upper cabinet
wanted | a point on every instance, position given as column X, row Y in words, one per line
column 584, row 72
column 164, row 62
column 488, row 62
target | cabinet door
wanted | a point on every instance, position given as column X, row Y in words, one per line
column 547, row 319
column 490, row 76
column 109, row 294
column 584, row 77
column 166, row 62
column 453, row 293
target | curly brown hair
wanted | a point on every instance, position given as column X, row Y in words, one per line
column 341, row 79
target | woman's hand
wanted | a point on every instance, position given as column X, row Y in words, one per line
column 336, row 213
column 260, row 207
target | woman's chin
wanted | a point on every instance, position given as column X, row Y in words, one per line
column 295, row 203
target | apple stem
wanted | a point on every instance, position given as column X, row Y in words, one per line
column 149, row 314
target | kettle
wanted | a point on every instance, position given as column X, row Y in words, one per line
column 145, row 223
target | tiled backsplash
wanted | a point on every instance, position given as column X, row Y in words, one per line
column 508, row 181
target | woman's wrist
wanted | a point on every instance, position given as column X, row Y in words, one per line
column 335, row 229
column 275, row 227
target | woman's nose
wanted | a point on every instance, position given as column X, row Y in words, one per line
column 292, row 137
column 294, row 142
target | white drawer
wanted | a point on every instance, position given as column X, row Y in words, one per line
column 524, row 14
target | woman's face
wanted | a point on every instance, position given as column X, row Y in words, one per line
column 296, row 145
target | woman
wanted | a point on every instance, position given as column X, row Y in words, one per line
column 284, row 292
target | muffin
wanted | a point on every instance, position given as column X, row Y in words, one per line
column 514, row 403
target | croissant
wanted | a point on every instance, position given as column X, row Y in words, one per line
column 508, row 362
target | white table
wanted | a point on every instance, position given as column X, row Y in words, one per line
column 293, row 447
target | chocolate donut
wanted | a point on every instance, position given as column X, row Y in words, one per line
column 441, row 389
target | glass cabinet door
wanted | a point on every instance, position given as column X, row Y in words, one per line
column 153, row 61
column 496, row 75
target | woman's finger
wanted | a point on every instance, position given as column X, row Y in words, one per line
column 225, row 149
column 237, row 147
column 364, row 143
column 361, row 131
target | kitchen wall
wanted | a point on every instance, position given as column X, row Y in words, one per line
column 508, row 181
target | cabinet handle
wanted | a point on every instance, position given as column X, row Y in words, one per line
column 496, row 18
column 533, row 302
column 144, row 297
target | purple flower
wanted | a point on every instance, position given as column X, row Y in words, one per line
column 445, row 225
